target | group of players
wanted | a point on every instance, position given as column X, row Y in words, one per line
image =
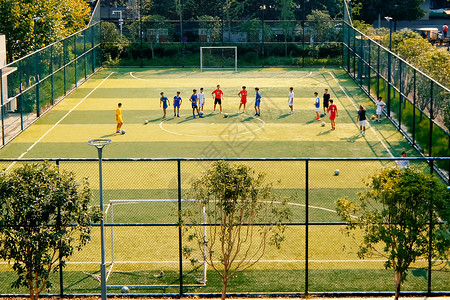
column 198, row 103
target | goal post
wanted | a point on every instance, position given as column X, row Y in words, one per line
column 223, row 57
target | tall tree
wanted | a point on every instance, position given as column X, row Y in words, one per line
column 244, row 214
column 57, row 19
column 394, row 216
column 45, row 215
column 397, row 9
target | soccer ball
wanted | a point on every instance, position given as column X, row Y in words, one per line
column 123, row 132
column 373, row 117
column 125, row 290
column 146, row 122
column 323, row 124
column 336, row 172
column 200, row 113
column 322, row 115
column 225, row 115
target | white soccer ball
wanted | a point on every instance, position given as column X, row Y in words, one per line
column 123, row 132
column 125, row 290
column 225, row 115
column 200, row 113
column 336, row 172
column 146, row 121
column 323, row 124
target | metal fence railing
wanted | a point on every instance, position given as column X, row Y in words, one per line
column 144, row 242
column 414, row 100
column 32, row 85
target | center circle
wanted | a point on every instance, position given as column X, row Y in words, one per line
column 233, row 128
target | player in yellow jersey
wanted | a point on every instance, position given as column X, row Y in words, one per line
column 119, row 118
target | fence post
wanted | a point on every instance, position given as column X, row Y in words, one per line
column 414, row 109
column 306, row 223
column 400, row 96
column 1, row 111
column 369, row 63
column 431, row 120
column 84, row 54
column 430, row 237
column 378, row 71
column 51, row 72
column 180, row 233
column 93, row 48
column 20, row 104
column 75, row 38
column 58, row 223
column 64, row 62
column 389, row 85
column 141, row 34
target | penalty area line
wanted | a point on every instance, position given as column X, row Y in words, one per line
column 356, row 107
column 59, row 121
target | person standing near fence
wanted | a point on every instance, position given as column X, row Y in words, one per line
column 362, row 120
column 444, row 30
column 201, row 99
column 380, row 105
column 165, row 103
column 119, row 117
column 257, row 103
column 404, row 163
column 243, row 94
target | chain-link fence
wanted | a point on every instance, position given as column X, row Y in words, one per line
column 146, row 246
column 35, row 83
column 133, row 35
column 414, row 101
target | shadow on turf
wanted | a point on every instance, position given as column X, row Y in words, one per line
column 352, row 138
column 283, row 116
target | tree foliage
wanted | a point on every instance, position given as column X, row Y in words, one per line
column 58, row 19
column 397, row 9
column 44, row 216
column 235, row 198
column 394, row 216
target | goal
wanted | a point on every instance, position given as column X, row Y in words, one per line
column 121, row 207
column 218, row 58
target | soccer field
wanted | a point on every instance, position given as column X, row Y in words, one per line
column 141, row 252
column 89, row 112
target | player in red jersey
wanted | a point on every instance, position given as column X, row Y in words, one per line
column 243, row 94
column 217, row 95
column 332, row 110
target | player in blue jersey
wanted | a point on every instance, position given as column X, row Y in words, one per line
column 317, row 105
column 194, row 101
column 176, row 105
column 257, row 103
column 165, row 103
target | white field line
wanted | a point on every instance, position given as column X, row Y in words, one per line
column 356, row 108
column 60, row 120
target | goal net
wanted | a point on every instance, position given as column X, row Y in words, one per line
column 218, row 58
column 132, row 249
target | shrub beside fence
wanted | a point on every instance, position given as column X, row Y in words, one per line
column 145, row 243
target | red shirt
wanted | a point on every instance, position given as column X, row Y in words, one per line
column 243, row 95
column 217, row 94
column 333, row 110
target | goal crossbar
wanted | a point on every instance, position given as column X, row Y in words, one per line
column 218, row 47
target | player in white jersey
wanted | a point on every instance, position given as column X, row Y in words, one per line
column 291, row 100
column 201, row 100
column 380, row 105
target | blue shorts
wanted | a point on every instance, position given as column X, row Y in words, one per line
column 257, row 103
column 165, row 106
column 176, row 105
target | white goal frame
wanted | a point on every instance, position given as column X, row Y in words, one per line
column 219, row 47
column 110, row 210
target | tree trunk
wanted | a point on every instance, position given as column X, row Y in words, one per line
column 398, row 280
column 224, row 287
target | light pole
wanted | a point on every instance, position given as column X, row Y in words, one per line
column 99, row 144
column 389, row 19
column 120, row 19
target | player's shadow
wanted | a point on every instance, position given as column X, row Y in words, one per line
column 283, row 116
column 108, row 135
column 310, row 122
column 352, row 138
column 187, row 119
column 324, row 132
column 247, row 119
column 155, row 120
